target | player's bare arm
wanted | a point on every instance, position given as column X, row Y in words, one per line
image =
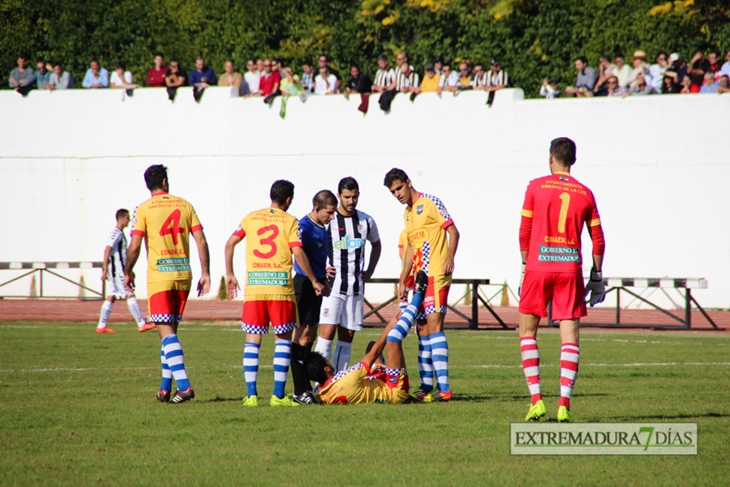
column 406, row 271
column 232, row 286
column 319, row 288
column 204, row 254
column 135, row 245
column 454, row 235
column 105, row 265
column 373, row 262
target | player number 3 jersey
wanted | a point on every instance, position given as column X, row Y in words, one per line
column 425, row 223
column 166, row 222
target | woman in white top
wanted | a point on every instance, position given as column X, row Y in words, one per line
column 121, row 78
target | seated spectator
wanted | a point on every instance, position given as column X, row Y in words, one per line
column 325, row 83
column 605, row 71
column 121, row 78
column 614, row 88
column 713, row 57
column 324, row 63
column 496, row 77
column 290, row 85
column 156, row 75
column 269, row 81
column 669, row 86
column 698, row 66
column 640, row 86
column 710, row 85
column 622, row 71
column 42, row 76
column 585, row 81
column 431, row 79
column 677, row 69
column 22, row 77
column 438, row 63
column 175, row 79
column 479, row 77
column 252, row 77
column 724, row 86
column 725, row 70
column 657, row 71
column 464, row 77
column 202, row 76
column 407, row 81
column 686, row 88
column 357, row 82
column 230, row 78
column 448, row 81
column 308, row 76
column 549, row 89
column 60, row 79
column 640, row 66
column 96, row 76
column 385, row 77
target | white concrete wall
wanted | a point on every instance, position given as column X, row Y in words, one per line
column 659, row 167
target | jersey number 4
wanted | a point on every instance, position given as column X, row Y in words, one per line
column 267, row 241
column 172, row 226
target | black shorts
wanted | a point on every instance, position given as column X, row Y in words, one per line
column 308, row 303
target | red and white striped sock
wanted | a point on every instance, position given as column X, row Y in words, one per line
column 569, row 358
column 531, row 366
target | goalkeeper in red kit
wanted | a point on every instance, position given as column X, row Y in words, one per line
column 555, row 209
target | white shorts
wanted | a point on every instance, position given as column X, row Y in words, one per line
column 343, row 310
column 115, row 287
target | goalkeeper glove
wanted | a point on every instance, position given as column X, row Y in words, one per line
column 596, row 287
column 522, row 279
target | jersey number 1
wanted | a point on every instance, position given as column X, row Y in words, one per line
column 565, row 202
column 268, row 241
column 172, row 226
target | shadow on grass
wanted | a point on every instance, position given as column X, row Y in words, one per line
column 223, row 399
column 671, row 416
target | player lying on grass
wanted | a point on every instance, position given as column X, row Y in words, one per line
column 371, row 380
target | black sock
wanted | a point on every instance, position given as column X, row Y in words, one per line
column 298, row 371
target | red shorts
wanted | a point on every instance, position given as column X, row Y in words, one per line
column 565, row 289
column 280, row 311
column 436, row 298
column 166, row 301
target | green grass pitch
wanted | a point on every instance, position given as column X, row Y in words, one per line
column 77, row 408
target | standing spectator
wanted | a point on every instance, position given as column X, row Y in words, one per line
column 657, row 70
column 698, row 66
column 725, row 70
column 430, row 83
column 710, row 85
column 202, row 76
column 60, row 79
column 324, row 63
column 724, row 86
column 677, row 69
column 438, row 63
column 669, row 86
column 715, row 64
column 497, row 78
column 22, row 78
column 622, row 71
column 686, row 88
column 641, row 87
column 585, row 81
column 175, row 79
column 614, row 88
column 270, row 80
column 96, row 76
column 121, row 78
column 231, row 78
column 449, row 80
column 42, row 76
column 325, row 83
column 549, row 89
column 252, row 76
column 357, row 82
column 605, row 71
column 156, row 75
column 407, row 81
column 640, row 66
column 308, row 76
column 385, row 77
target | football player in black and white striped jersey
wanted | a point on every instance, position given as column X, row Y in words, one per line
column 342, row 311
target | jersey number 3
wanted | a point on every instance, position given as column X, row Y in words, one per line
column 172, row 226
column 268, row 242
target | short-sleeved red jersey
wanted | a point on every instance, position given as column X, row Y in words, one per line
column 555, row 209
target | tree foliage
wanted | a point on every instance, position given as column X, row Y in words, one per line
column 534, row 39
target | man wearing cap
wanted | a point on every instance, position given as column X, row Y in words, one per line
column 640, row 66
column 431, row 79
column 496, row 77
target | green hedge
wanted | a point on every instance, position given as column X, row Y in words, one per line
column 534, row 39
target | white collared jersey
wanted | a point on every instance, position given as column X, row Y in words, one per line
column 346, row 238
column 117, row 258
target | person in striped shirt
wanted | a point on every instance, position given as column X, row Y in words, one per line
column 479, row 77
column 401, row 60
column 449, row 80
column 385, row 77
column 496, row 77
column 407, row 81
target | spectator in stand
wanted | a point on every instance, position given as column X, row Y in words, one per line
column 657, row 71
column 640, row 66
column 400, row 60
column 614, row 88
column 669, row 86
column 449, row 80
column 430, row 83
column 479, row 77
column 60, row 79
column 686, row 88
column 175, row 79
column 96, row 76
column 622, row 70
column 724, row 86
column 438, row 63
column 640, row 86
column 252, row 77
column 713, row 57
column 408, row 81
column 270, row 80
column 156, row 75
column 308, row 76
column 497, row 77
column 385, row 77
column 357, row 82
column 549, row 89
column 22, row 77
column 585, row 81
column 42, row 76
column 710, row 85
column 121, row 78
column 325, row 83
column 725, row 70
column 605, row 71
column 202, row 76
column 290, row 85
column 698, row 66
column 230, row 78
column 324, row 63
column 677, row 69
column 464, row 82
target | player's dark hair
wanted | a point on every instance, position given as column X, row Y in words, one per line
column 154, row 175
column 280, row 191
column 582, row 59
column 563, row 150
column 324, row 198
column 383, row 57
column 121, row 213
column 120, row 64
column 315, row 364
column 349, row 183
column 394, row 175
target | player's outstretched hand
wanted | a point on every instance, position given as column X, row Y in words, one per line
column 129, row 282
column 320, row 288
column 204, row 285
column 596, row 288
column 522, row 280
column 232, row 286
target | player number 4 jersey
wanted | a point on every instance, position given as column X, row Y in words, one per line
column 426, row 222
column 166, row 222
column 553, row 214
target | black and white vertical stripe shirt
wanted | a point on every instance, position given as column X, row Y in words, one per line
column 410, row 81
column 384, row 78
column 498, row 79
column 347, row 236
column 118, row 242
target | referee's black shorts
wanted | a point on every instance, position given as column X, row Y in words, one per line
column 308, row 303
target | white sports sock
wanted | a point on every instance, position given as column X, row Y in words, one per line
column 341, row 356
column 106, row 310
column 133, row 306
column 324, row 347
